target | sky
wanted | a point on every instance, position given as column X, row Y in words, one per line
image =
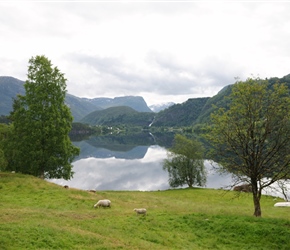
column 164, row 51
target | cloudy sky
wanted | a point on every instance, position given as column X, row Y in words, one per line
column 161, row 50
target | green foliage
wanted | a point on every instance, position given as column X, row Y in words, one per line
column 213, row 103
column 57, row 218
column 185, row 164
column 252, row 136
column 82, row 131
column 4, row 133
column 39, row 144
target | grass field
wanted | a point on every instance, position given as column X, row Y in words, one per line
column 36, row 214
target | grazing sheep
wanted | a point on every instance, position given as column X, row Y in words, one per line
column 140, row 211
column 103, row 203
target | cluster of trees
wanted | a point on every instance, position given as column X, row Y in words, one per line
column 37, row 141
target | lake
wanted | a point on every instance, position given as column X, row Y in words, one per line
column 122, row 163
column 111, row 165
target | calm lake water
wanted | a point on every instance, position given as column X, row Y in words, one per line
column 127, row 167
column 119, row 164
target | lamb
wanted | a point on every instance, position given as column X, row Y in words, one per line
column 140, row 211
column 103, row 203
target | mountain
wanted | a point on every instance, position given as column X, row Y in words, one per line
column 115, row 116
column 183, row 114
column 135, row 102
column 131, row 110
column 159, row 107
column 10, row 87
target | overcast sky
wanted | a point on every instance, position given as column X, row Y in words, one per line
column 163, row 51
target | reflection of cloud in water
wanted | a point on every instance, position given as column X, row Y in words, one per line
column 215, row 179
column 136, row 174
column 137, row 169
column 120, row 174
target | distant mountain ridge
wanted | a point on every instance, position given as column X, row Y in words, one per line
column 135, row 102
column 123, row 110
column 10, row 87
column 115, row 116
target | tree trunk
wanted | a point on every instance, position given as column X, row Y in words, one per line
column 256, row 198
column 257, row 205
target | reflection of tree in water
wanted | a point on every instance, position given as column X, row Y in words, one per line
column 128, row 141
column 129, row 146
column 121, row 142
column 164, row 139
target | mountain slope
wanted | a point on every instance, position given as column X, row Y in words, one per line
column 117, row 116
column 9, row 88
column 135, row 102
column 183, row 114
column 80, row 107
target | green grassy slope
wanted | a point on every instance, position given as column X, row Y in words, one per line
column 35, row 214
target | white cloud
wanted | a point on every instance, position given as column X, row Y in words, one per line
column 165, row 51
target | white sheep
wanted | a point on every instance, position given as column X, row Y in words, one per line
column 103, row 203
column 140, row 211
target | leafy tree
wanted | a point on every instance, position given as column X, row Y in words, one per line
column 251, row 138
column 4, row 131
column 39, row 144
column 185, row 163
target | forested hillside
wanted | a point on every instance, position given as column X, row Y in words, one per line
column 184, row 114
column 115, row 116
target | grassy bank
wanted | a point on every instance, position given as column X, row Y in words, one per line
column 35, row 214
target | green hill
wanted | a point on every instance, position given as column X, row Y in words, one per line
column 115, row 116
column 183, row 114
column 36, row 214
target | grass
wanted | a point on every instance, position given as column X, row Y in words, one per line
column 36, row 214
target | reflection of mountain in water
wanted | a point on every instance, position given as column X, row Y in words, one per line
column 88, row 150
column 132, row 146
column 122, row 142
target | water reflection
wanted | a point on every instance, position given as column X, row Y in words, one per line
column 120, row 174
column 100, row 171
column 132, row 163
column 88, row 150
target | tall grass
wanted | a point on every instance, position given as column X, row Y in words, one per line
column 35, row 214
